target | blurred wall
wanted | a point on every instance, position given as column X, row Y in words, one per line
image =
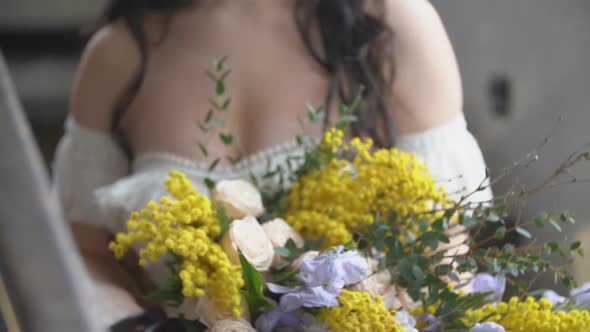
column 41, row 41
column 539, row 50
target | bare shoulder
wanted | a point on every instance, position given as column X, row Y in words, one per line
column 410, row 13
column 108, row 66
column 427, row 84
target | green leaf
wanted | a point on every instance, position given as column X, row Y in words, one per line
column 226, row 104
column 214, row 164
column 439, row 225
column 203, row 149
column 282, row 251
column 500, row 233
column 524, row 232
column 203, row 128
column 349, row 118
column 315, row 115
column 454, row 277
column 552, row 247
column 555, row 225
column 218, row 63
column 493, row 218
column 209, row 183
column 226, row 138
column 234, row 160
column 209, row 116
column 211, row 75
column 225, row 75
column 224, row 221
column 539, row 220
column 170, row 293
column 302, row 140
column 469, row 222
column 281, row 265
column 254, row 292
column 219, row 88
column 575, row 246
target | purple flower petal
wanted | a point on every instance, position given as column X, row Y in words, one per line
column 314, row 297
column 279, row 289
column 581, row 295
column 486, row 283
column 553, row 297
column 487, row 327
column 268, row 321
column 353, row 267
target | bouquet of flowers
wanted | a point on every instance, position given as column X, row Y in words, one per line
column 347, row 238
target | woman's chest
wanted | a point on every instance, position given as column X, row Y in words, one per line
column 269, row 80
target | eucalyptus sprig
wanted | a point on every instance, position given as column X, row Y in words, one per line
column 215, row 120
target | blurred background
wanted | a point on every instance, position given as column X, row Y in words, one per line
column 524, row 65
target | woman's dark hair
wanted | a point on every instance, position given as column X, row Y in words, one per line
column 355, row 51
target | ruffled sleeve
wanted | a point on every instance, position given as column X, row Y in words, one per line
column 456, row 162
column 85, row 160
column 453, row 157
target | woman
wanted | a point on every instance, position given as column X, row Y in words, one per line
column 141, row 88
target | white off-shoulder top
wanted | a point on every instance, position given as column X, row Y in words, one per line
column 97, row 184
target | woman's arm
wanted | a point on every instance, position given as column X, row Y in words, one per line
column 107, row 68
column 427, row 88
column 427, row 103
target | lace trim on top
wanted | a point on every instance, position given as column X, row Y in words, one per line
column 156, row 160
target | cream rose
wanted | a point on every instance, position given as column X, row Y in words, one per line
column 240, row 198
column 232, row 325
column 208, row 314
column 247, row 235
column 379, row 284
column 279, row 232
column 376, row 284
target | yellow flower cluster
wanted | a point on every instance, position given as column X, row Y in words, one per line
column 338, row 199
column 186, row 226
column 530, row 315
column 359, row 312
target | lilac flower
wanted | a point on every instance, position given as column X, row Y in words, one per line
column 268, row 321
column 431, row 323
column 487, row 327
column 486, row 283
column 581, row 295
column 309, row 297
column 406, row 321
column 341, row 269
column 323, row 277
column 553, row 297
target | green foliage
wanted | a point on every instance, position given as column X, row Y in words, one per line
column 254, row 292
column 169, row 294
column 224, row 221
column 216, row 117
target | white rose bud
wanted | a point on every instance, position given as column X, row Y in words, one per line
column 208, row 314
column 279, row 232
column 240, row 198
column 232, row 325
column 247, row 235
column 379, row 284
column 308, row 255
column 376, row 284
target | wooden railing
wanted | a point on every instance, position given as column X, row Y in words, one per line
column 45, row 284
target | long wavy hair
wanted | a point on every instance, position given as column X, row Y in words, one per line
column 355, row 52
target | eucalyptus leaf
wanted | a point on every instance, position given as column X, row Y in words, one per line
column 524, row 232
